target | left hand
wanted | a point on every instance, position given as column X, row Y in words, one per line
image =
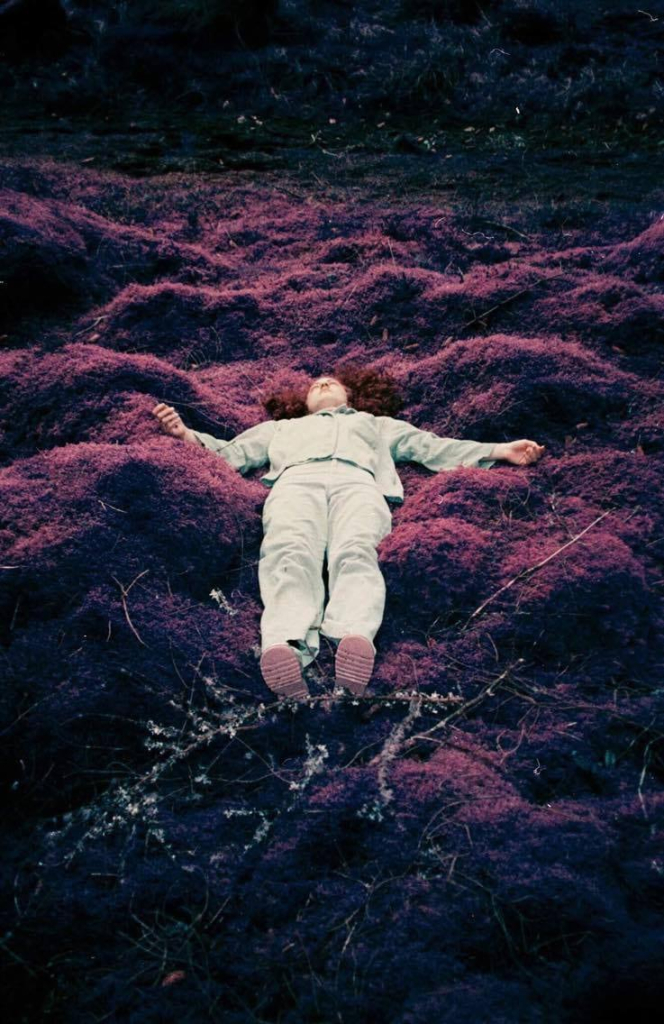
column 522, row 452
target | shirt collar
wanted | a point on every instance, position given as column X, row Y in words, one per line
column 338, row 408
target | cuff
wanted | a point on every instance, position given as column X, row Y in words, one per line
column 199, row 437
column 484, row 458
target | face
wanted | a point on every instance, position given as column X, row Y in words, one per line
column 326, row 393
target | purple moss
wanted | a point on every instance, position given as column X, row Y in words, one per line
column 474, row 839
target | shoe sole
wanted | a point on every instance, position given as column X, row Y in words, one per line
column 282, row 671
column 353, row 663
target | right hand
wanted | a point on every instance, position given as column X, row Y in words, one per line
column 170, row 422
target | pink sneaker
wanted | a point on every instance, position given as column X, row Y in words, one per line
column 282, row 671
column 353, row 663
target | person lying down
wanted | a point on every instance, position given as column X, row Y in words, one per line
column 331, row 451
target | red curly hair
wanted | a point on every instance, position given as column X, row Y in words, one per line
column 367, row 390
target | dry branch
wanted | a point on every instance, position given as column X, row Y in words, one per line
column 510, row 298
column 123, row 593
column 486, row 691
column 533, row 568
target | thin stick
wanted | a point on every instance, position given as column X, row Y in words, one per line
column 646, row 761
column 486, row 691
column 524, row 572
column 510, row 298
column 503, row 227
column 124, row 592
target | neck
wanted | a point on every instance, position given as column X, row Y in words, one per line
column 336, row 405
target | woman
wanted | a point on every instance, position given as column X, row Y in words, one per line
column 332, row 452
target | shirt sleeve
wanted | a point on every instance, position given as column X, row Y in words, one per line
column 247, row 450
column 410, row 444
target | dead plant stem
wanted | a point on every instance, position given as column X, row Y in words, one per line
column 533, row 568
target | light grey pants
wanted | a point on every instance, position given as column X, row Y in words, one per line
column 331, row 507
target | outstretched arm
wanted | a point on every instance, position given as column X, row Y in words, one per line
column 246, row 451
column 410, row 444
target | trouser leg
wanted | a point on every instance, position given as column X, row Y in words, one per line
column 291, row 564
column 358, row 518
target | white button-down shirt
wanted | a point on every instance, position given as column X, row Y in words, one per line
column 375, row 443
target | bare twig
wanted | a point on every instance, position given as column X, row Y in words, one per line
column 19, row 960
column 503, row 227
column 349, row 296
column 486, row 691
column 533, row 568
column 287, row 191
column 646, row 761
column 393, row 745
column 124, row 592
column 510, row 298
column 90, row 327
